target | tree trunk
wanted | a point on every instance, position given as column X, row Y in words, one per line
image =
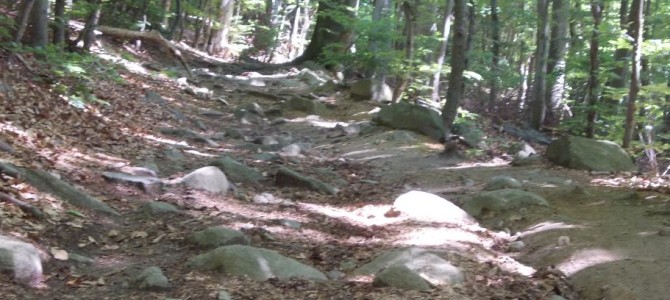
column 293, row 39
column 22, row 19
column 637, row 26
column 380, row 45
column 220, row 35
column 442, row 52
column 177, row 20
column 60, row 22
column 471, row 30
column 456, row 84
column 165, row 4
column 410, row 27
column 617, row 78
column 594, row 83
column 495, row 53
column 88, row 34
column 39, row 24
column 556, row 60
column 328, row 34
column 538, row 106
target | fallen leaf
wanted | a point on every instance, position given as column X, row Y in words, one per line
column 59, row 254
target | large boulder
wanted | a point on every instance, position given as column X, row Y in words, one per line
column 237, row 171
column 502, row 200
column 210, row 179
column 362, row 89
column 428, row 207
column 256, row 263
column 423, row 263
column 21, row 259
column 416, row 118
column 589, row 154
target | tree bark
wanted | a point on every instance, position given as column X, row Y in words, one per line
column 88, row 34
column 456, row 84
column 410, row 28
column 556, row 60
column 22, row 19
column 538, row 107
column 471, row 30
column 328, row 34
column 617, row 78
column 39, row 24
column 594, row 84
column 637, row 26
column 495, row 55
column 442, row 52
column 220, row 35
column 61, row 19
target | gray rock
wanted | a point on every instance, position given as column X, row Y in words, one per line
column 151, row 278
column 427, row 207
column 216, row 236
column 305, row 105
column 223, row 295
column 502, row 182
column 348, row 130
column 502, row 200
column 290, row 223
column 362, row 89
column 527, row 134
column 48, row 183
column 6, row 147
column 158, row 208
column 247, row 117
column 256, row 263
column 400, row 276
column 402, row 137
column 412, row 117
column 471, row 134
column 145, row 183
column 288, row 177
column 525, row 151
column 255, row 109
column 211, row 113
column 80, row 258
column 311, row 78
column 142, row 171
column 174, row 154
column 266, row 140
column 236, row 133
column 267, row 156
column 237, row 171
column 265, row 198
column 209, row 178
column 335, row 275
column 180, row 132
column 21, row 259
column 291, row 150
column 516, row 246
column 423, row 262
column 589, row 154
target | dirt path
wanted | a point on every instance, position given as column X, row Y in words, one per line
column 604, row 239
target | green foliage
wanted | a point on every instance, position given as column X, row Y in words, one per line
column 6, row 26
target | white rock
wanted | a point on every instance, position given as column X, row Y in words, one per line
column 424, row 206
column 210, row 178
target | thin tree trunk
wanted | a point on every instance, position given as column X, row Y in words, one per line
column 538, row 106
column 442, row 52
column 410, row 27
column 471, row 30
column 22, row 19
column 177, row 20
column 293, row 39
column 637, row 26
column 495, row 52
column 456, row 84
column 594, row 83
column 165, row 22
column 617, row 78
column 60, row 23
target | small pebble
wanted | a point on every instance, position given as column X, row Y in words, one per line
column 516, row 246
column 563, row 240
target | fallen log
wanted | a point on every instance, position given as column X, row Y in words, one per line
column 147, row 36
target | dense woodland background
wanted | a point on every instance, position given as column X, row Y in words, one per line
column 595, row 68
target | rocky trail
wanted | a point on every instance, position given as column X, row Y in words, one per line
column 127, row 199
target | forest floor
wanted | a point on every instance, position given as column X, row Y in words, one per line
column 604, row 236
